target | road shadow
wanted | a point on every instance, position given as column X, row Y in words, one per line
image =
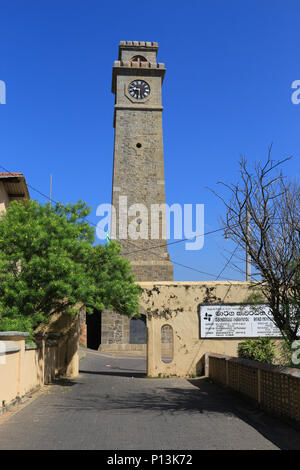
column 64, row 382
column 114, row 373
column 202, row 397
column 281, row 433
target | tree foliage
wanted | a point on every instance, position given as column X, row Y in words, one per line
column 48, row 264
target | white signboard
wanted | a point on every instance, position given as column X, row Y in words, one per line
column 237, row 321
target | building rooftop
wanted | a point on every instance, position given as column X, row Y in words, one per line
column 15, row 185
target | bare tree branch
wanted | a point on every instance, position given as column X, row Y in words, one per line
column 273, row 242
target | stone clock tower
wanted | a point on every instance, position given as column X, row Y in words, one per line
column 138, row 183
column 138, row 173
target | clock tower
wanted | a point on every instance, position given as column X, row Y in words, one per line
column 138, row 193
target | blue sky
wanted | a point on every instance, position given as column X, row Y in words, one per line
column 227, row 92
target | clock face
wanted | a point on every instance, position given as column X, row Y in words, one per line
column 139, row 89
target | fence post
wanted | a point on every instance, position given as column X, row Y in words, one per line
column 206, row 365
column 227, row 372
column 19, row 338
column 259, row 386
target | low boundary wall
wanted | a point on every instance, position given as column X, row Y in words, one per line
column 276, row 389
column 24, row 369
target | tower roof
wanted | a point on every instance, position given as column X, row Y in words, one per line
column 137, row 45
column 137, row 56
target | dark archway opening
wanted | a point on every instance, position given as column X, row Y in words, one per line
column 138, row 330
column 93, row 327
column 138, row 58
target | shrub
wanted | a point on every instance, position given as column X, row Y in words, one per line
column 261, row 349
column 18, row 323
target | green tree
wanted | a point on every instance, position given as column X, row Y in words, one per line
column 48, row 264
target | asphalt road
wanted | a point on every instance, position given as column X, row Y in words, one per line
column 112, row 406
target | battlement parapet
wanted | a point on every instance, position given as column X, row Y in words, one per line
column 139, row 65
column 146, row 44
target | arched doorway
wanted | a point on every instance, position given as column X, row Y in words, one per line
column 138, row 330
column 93, row 327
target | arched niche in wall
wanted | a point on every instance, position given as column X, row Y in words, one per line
column 167, row 344
column 138, row 330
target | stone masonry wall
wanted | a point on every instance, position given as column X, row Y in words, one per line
column 139, row 175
